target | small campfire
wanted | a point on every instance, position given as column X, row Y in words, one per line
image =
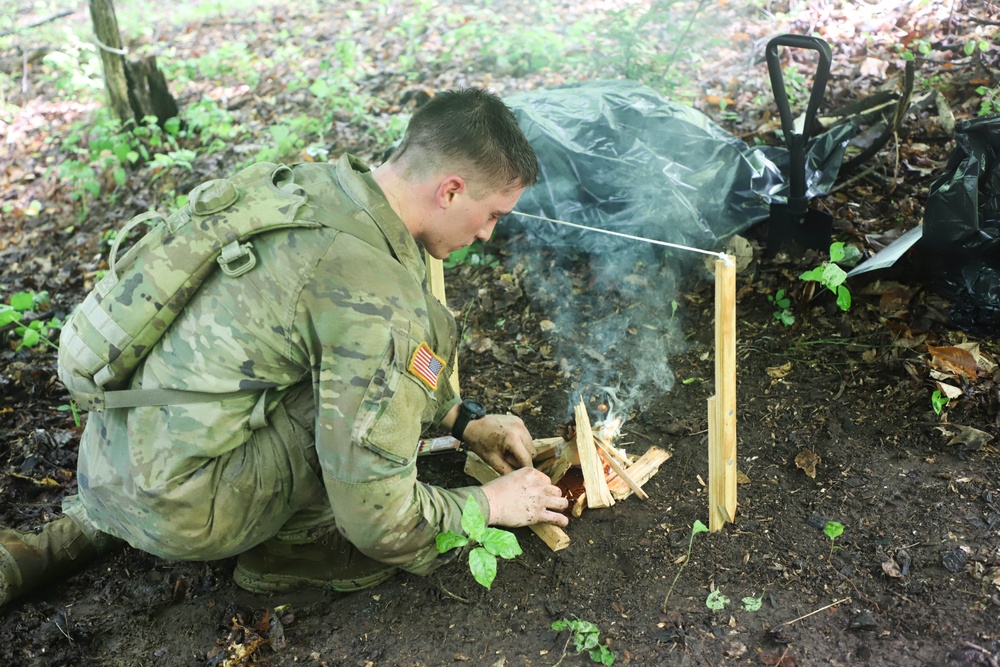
column 588, row 465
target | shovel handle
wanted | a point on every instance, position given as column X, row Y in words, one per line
column 796, row 142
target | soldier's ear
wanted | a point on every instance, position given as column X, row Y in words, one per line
column 448, row 188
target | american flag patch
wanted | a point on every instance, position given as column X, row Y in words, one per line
column 427, row 366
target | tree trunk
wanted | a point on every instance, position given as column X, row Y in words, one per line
column 102, row 13
column 135, row 89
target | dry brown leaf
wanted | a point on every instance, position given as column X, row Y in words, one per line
column 807, row 460
column 954, row 360
column 971, row 438
column 779, row 659
column 891, row 568
column 950, row 391
column 778, row 372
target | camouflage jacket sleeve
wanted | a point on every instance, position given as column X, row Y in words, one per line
column 360, row 321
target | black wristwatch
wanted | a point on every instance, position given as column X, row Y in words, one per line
column 468, row 410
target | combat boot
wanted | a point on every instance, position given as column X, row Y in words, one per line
column 332, row 563
column 28, row 560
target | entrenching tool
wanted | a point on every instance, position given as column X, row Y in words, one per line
column 794, row 223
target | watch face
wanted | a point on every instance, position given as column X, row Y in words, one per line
column 474, row 408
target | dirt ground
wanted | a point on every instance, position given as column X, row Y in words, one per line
column 913, row 580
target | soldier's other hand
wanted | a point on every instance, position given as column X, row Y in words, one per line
column 525, row 497
column 503, row 441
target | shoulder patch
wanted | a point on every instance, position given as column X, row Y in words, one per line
column 426, row 365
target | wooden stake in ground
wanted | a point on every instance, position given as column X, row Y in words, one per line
column 594, row 481
column 722, row 406
column 435, row 280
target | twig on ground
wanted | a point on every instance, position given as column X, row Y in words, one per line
column 990, row 657
column 812, row 613
column 452, row 595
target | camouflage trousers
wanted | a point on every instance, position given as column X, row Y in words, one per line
column 271, row 486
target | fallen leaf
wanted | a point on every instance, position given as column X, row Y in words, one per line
column 954, row 360
column 891, row 568
column 807, row 461
column 778, row 372
column 971, row 438
column 948, row 390
column 784, row 659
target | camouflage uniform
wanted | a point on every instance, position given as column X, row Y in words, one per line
column 320, row 336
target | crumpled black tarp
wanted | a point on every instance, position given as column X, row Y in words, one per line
column 615, row 155
column 961, row 238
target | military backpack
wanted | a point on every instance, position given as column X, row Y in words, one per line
column 128, row 311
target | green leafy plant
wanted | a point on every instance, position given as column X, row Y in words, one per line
column 696, row 527
column 32, row 333
column 989, row 104
column 493, row 542
column 831, row 276
column 752, row 603
column 833, row 530
column 586, row 637
column 471, row 255
column 938, row 401
column 783, row 307
column 974, row 45
column 717, row 600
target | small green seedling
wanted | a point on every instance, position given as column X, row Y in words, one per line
column 586, row 638
column 752, row 603
column 833, row 530
column 717, row 600
column 494, row 542
column 783, row 307
column 938, row 401
column 832, row 276
column 35, row 332
column 696, row 527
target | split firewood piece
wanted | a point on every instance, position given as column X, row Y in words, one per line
column 579, row 505
column 553, row 536
column 554, row 456
column 594, row 481
column 547, row 447
column 641, row 471
column 611, row 450
column 632, row 484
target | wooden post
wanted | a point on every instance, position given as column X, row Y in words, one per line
column 722, row 406
column 594, row 481
column 435, row 279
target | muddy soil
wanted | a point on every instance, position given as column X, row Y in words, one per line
column 835, row 424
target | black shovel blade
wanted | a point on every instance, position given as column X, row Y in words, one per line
column 797, row 231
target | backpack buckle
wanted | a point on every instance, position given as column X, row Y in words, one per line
column 236, row 259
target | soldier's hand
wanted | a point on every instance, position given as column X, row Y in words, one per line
column 525, row 497
column 502, row 441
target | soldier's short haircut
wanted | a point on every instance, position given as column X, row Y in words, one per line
column 474, row 129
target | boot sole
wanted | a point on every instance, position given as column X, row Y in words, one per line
column 257, row 582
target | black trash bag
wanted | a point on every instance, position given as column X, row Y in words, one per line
column 960, row 247
column 617, row 156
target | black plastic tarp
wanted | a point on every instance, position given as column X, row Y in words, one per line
column 617, row 156
column 960, row 247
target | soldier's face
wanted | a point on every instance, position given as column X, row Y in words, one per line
column 468, row 219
